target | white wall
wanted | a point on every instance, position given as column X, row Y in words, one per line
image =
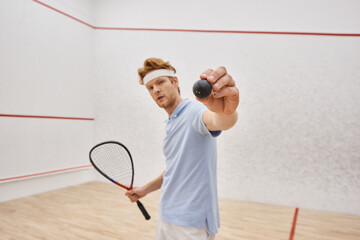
column 255, row 15
column 82, row 10
column 296, row 141
column 46, row 69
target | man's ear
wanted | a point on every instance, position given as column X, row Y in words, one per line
column 175, row 81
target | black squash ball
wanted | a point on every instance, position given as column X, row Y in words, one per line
column 202, row 88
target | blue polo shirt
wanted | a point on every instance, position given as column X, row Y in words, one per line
column 189, row 189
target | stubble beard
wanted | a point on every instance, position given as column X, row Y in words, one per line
column 166, row 103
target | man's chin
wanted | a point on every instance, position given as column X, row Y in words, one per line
column 160, row 104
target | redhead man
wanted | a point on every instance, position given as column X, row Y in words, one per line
column 189, row 203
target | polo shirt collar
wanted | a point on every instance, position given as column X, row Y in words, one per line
column 179, row 108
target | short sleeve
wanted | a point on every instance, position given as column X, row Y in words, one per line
column 215, row 133
column 198, row 123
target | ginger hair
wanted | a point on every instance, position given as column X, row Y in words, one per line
column 151, row 64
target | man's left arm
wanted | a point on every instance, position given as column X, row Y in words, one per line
column 222, row 103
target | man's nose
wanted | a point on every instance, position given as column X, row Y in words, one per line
column 156, row 89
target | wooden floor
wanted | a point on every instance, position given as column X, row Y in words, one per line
column 101, row 211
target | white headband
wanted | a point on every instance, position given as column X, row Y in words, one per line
column 158, row 73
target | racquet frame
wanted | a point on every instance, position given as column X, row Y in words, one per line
column 141, row 207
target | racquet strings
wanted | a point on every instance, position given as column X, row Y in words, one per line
column 114, row 161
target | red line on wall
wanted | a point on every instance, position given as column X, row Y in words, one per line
column 230, row 31
column 292, row 233
column 61, row 12
column 45, row 173
column 51, row 117
column 201, row 31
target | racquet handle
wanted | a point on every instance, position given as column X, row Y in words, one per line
column 143, row 210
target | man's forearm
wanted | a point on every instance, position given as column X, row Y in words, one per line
column 219, row 121
column 154, row 184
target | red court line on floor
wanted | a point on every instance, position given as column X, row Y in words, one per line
column 45, row 173
column 202, row 31
column 292, row 233
column 50, row 117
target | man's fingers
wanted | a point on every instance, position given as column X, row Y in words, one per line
column 216, row 75
column 205, row 74
column 225, row 81
column 132, row 195
column 226, row 92
column 129, row 193
column 134, row 199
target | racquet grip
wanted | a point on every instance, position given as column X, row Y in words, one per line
column 143, row 210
